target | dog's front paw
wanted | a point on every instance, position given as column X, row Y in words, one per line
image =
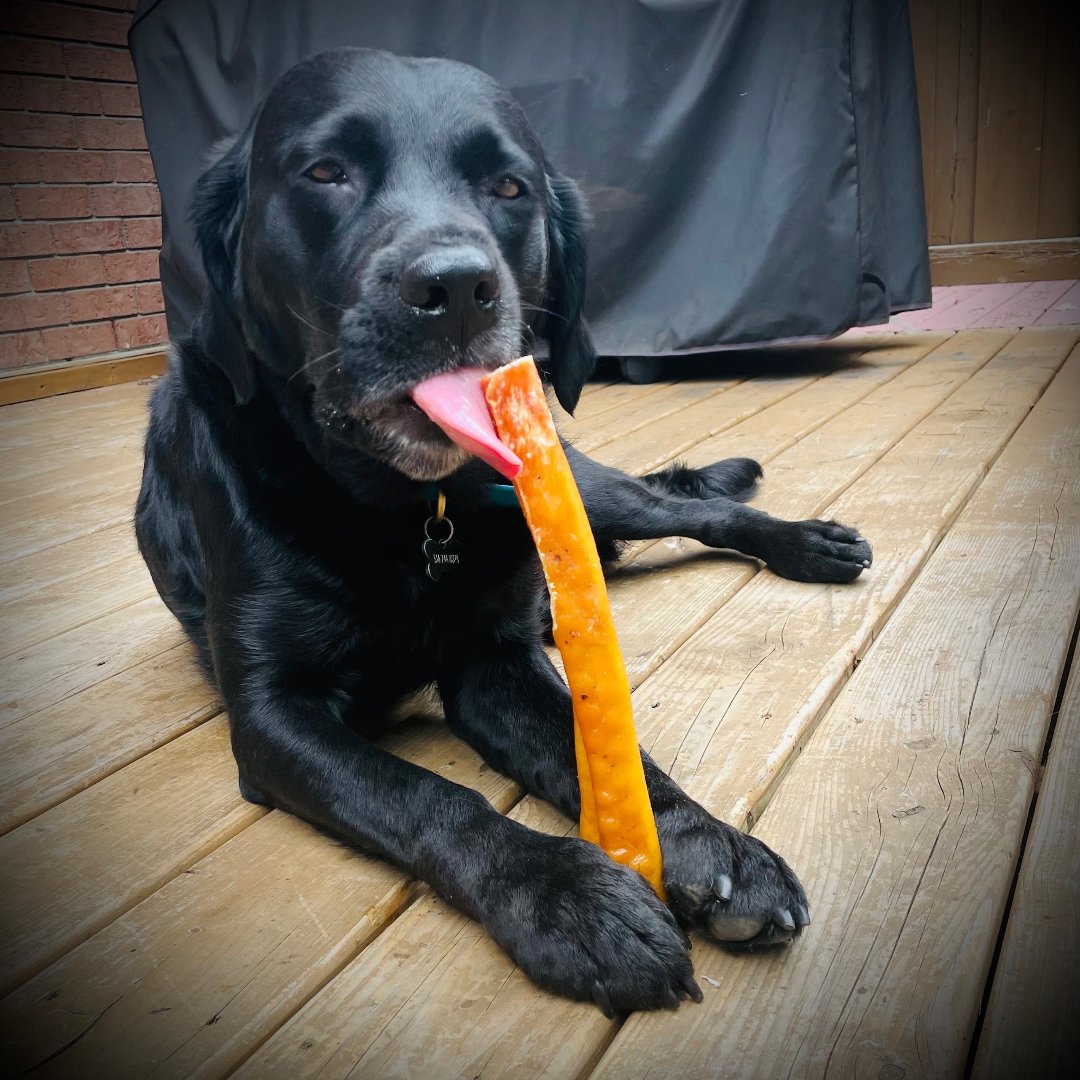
column 818, row 551
column 727, row 885
column 583, row 926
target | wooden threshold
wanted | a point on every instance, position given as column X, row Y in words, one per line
column 29, row 384
column 1005, row 260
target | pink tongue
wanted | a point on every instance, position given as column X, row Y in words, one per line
column 455, row 401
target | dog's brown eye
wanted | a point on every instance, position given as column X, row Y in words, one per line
column 507, row 188
column 326, row 172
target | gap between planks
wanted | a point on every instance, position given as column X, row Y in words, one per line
column 908, row 816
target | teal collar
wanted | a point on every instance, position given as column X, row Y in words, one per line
column 502, row 495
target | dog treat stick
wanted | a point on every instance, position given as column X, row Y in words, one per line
column 615, row 808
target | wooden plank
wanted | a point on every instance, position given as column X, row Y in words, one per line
column 50, row 755
column 64, row 378
column 38, row 423
column 1029, row 1028
column 905, row 810
column 673, row 435
column 34, row 524
column 71, row 871
column 651, row 607
column 614, row 395
column 352, row 1028
column 29, row 621
column 32, row 611
column 1063, row 312
column 39, row 677
column 49, row 466
column 42, row 570
column 1031, row 302
column 386, row 1014
column 1059, row 175
column 188, row 981
column 617, row 423
column 946, row 47
column 1012, row 56
column 970, row 311
column 1019, row 260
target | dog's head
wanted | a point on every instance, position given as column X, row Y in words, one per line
column 383, row 220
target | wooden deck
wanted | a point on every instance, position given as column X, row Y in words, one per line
column 889, row 738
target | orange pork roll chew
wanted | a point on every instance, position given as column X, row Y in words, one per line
column 615, row 808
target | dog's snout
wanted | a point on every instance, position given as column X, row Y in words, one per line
column 455, row 289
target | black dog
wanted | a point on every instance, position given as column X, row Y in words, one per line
column 382, row 221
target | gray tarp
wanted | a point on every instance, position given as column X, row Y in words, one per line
column 752, row 165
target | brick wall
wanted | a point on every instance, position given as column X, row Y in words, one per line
column 79, row 209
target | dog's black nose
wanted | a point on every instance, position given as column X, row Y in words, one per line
column 455, row 289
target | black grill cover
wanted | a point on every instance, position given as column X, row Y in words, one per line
column 753, row 166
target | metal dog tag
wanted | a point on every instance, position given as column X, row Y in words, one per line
column 443, row 556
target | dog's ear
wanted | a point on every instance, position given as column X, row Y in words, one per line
column 220, row 203
column 573, row 357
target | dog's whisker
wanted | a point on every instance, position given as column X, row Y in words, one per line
column 308, row 322
column 309, row 364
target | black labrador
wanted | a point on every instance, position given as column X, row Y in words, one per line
column 383, row 220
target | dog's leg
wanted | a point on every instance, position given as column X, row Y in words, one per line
column 512, row 706
column 623, row 507
column 574, row 921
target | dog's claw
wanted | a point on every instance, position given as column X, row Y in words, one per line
column 692, row 990
column 603, row 1001
column 782, row 917
column 722, row 887
column 802, row 915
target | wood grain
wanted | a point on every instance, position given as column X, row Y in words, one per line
column 195, row 976
column 743, row 660
column 52, row 754
column 1030, row 1028
column 72, row 870
column 906, row 809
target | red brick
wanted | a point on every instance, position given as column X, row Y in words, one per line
column 142, row 232
column 28, row 310
column 25, row 238
column 13, row 276
column 99, row 62
column 149, row 298
column 18, row 350
column 120, row 99
column 107, row 27
column 61, row 96
column 7, row 205
column 53, row 201
column 19, row 167
column 85, row 305
column 133, row 167
column 37, row 129
column 140, row 331
column 111, row 133
column 87, row 339
column 67, row 272
column 77, row 166
column 72, row 237
column 44, row 20
column 131, row 266
column 40, row 57
column 11, row 92
column 125, row 200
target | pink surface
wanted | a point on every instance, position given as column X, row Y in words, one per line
column 965, row 307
